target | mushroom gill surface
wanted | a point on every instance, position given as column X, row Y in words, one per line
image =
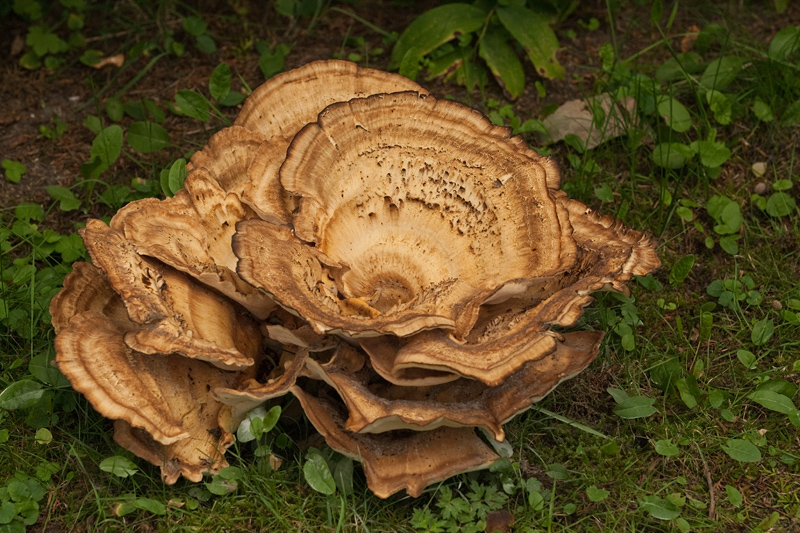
column 396, row 262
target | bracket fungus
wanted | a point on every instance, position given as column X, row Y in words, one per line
column 395, row 261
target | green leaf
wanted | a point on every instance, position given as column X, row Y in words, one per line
column 22, row 394
column 595, row 494
column 712, row 153
column 762, row 331
column 435, row 27
column 107, row 146
column 557, row 471
column 317, row 473
column 635, row 407
column 785, row 43
column 221, row 486
column 674, row 114
column 730, row 244
column 194, row 26
column 762, row 110
column 153, row 506
column 534, row 33
column 671, row 155
column 205, row 44
column 734, row 496
column 658, row 508
column 780, row 204
column 193, row 105
column 177, row 175
column 14, row 170
column 681, row 269
column 721, row 72
column 219, row 84
column 781, row 386
column 773, row 401
column 502, row 60
column 666, row 448
column 119, row 466
column 411, row 63
column 791, row 117
column 41, row 367
column 688, row 390
column 747, row 358
column 44, row 42
column 720, row 105
column 7, row 513
column 741, row 450
column 343, row 474
column 147, row 137
column 44, row 436
column 67, row 200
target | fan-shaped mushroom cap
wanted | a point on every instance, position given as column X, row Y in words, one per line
column 385, row 181
column 192, row 233
column 191, row 457
column 86, row 288
column 376, row 407
column 227, row 157
column 399, row 460
column 178, row 314
column 168, row 396
column 286, row 102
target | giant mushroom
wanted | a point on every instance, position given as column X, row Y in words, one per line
column 395, row 261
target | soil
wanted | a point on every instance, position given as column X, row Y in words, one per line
column 32, row 99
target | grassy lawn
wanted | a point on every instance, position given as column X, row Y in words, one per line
column 686, row 421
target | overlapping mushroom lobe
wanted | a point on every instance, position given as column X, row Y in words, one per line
column 429, row 209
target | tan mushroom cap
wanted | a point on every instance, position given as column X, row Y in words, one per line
column 227, row 157
column 376, row 407
column 284, row 104
column 508, row 335
column 299, row 278
column 191, row 457
column 86, row 288
column 386, row 180
column 168, row 396
column 192, row 232
column 288, row 101
column 395, row 461
column 175, row 313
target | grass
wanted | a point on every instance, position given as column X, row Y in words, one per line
column 686, row 421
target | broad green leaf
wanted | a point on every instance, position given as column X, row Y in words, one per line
column 43, row 436
column 742, row 450
column 534, row 33
column 411, row 63
column 435, row 27
column 7, row 513
column 782, row 185
column 221, row 487
column 773, row 401
column 720, row 105
column 780, row 204
column 244, row 433
column 147, row 137
column 13, row 170
column 177, row 175
column 689, row 393
column 219, row 84
column 205, row 44
column 785, row 43
column 635, row 407
column 671, row 155
column 666, row 448
column 676, row 68
column 721, row 72
column 674, row 114
column 730, row 244
column 115, row 109
column 762, row 331
column 502, row 60
column 712, row 153
column 791, row 117
column 762, row 110
column 596, row 494
column 317, row 473
column 734, row 496
column 781, row 386
column 194, row 26
column 67, row 200
column 119, row 466
column 343, row 474
column 107, row 146
column 42, row 369
column 193, row 105
column 153, row 506
column 619, row 395
column 658, row 508
column 681, row 269
column 22, row 394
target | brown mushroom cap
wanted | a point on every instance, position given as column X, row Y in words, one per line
column 177, row 314
column 168, row 396
column 385, row 181
column 395, row 460
column 192, row 233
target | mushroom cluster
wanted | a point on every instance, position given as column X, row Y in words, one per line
column 394, row 261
